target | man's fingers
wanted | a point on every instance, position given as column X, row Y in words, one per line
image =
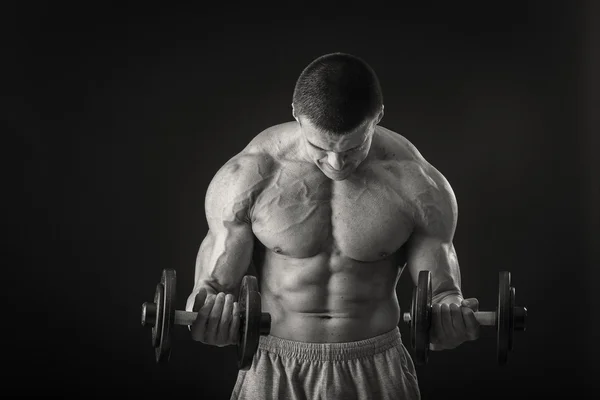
column 214, row 318
column 436, row 324
column 470, row 323
column 198, row 327
column 441, row 323
column 226, row 318
column 448, row 330
column 458, row 323
column 454, row 323
column 234, row 327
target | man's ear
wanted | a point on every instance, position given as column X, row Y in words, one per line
column 380, row 115
column 294, row 113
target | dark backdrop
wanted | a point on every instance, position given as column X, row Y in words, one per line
column 118, row 117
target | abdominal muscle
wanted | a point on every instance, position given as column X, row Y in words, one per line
column 327, row 298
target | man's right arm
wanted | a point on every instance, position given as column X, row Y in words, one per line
column 226, row 251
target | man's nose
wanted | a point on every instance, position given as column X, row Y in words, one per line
column 336, row 160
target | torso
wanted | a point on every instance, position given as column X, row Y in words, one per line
column 328, row 254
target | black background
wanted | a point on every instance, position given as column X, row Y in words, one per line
column 117, row 117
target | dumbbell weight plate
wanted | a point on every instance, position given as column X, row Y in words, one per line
column 159, row 294
column 165, row 316
column 250, row 304
column 505, row 317
column 421, row 317
column 513, row 308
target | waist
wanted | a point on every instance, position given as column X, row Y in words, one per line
column 339, row 351
column 334, row 327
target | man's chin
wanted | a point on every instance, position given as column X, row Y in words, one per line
column 337, row 176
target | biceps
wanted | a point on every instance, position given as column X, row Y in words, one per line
column 224, row 256
column 437, row 256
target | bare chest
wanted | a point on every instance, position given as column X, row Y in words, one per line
column 365, row 218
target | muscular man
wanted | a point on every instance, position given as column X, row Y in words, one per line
column 329, row 208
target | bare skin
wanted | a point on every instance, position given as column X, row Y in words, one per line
column 330, row 222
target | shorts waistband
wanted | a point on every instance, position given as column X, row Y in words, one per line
column 330, row 351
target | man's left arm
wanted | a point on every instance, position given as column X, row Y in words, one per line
column 431, row 248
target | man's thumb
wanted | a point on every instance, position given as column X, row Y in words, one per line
column 472, row 303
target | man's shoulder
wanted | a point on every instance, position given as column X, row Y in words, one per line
column 399, row 150
column 273, row 139
column 250, row 170
column 423, row 185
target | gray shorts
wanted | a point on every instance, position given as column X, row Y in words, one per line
column 378, row 368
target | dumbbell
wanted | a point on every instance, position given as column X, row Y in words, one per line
column 507, row 318
column 161, row 316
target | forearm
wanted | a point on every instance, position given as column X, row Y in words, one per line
column 451, row 297
column 222, row 262
column 446, row 283
column 202, row 279
column 446, row 279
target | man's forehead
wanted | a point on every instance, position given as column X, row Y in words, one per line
column 327, row 140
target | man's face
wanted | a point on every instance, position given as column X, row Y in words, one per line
column 337, row 156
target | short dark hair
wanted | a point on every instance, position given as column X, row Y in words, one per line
column 337, row 92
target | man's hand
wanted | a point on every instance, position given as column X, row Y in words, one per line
column 453, row 324
column 218, row 320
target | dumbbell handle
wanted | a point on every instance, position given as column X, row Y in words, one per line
column 188, row 317
column 181, row 317
column 490, row 318
column 185, row 317
column 485, row 318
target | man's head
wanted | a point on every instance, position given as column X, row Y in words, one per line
column 337, row 102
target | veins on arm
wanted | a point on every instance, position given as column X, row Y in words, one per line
column 226, row 251
column 430, row 246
